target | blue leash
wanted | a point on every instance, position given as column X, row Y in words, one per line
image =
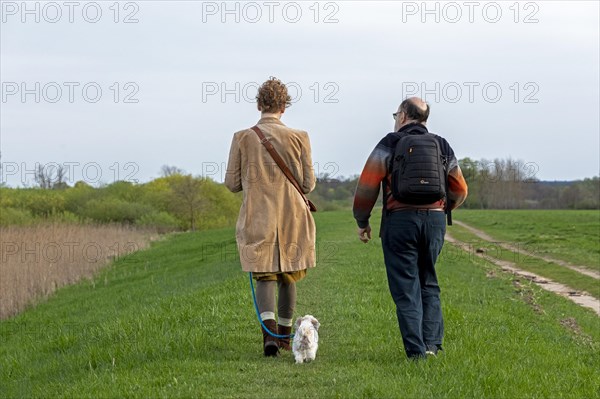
column 258, row 313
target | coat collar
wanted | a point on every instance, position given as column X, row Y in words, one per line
column 413, row 126
column 270, row 119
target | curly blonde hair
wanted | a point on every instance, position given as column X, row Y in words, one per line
column 273, row 96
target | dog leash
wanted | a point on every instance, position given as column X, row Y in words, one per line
column 258, row 313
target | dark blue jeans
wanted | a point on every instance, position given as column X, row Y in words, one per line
column 412, row 241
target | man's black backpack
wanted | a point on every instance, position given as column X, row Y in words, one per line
column 419, row 172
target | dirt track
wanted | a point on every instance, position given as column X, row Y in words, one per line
column 579, row 297
column 484, row 236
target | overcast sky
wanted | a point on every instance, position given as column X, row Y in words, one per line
column 170, row 81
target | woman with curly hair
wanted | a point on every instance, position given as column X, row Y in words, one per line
column 275, row 231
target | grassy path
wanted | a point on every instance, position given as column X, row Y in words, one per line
column 568, row 235
column 177, row 321
column 486, row 237
column 581, row 298
column 523, row 256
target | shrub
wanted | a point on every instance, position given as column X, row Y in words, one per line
column 65, row 217
column 13, row 216
column 115, row 210
column 77, row 197
column 161, row 221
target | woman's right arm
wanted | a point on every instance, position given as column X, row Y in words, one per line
column 233, row 176
column 308, row 172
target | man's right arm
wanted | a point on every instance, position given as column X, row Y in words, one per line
column 367, row 190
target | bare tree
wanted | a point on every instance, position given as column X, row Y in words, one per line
column 42, row 177
column 60, row 182
column 50, row 176
column 188, row 197
column 168, row 170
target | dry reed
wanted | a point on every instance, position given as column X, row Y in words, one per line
column 36, row 260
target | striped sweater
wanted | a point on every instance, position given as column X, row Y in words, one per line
column 376, row 173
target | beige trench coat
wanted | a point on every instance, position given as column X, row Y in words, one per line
column 275, row 231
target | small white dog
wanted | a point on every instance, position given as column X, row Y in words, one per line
column 306, row 339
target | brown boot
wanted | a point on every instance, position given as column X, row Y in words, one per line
column 284, row 343
column 270, row 344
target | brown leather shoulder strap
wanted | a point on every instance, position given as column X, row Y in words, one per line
column 279, row 161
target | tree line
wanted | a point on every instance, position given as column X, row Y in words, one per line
column 181, row 201
column 493, row 184
column 513, row 184
column 174, row 201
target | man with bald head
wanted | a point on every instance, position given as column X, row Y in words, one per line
column 412, row 232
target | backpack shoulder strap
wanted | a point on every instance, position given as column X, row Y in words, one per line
column 445, row 160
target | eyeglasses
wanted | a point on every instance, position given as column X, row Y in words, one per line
column 395, row 114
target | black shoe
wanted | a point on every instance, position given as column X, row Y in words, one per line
column 415, row 355
column 271, row 349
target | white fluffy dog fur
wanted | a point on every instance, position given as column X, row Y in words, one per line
column 306, row 339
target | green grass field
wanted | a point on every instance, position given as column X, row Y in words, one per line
column 177, row 321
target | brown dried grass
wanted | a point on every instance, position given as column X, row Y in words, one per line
column 37, row 260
